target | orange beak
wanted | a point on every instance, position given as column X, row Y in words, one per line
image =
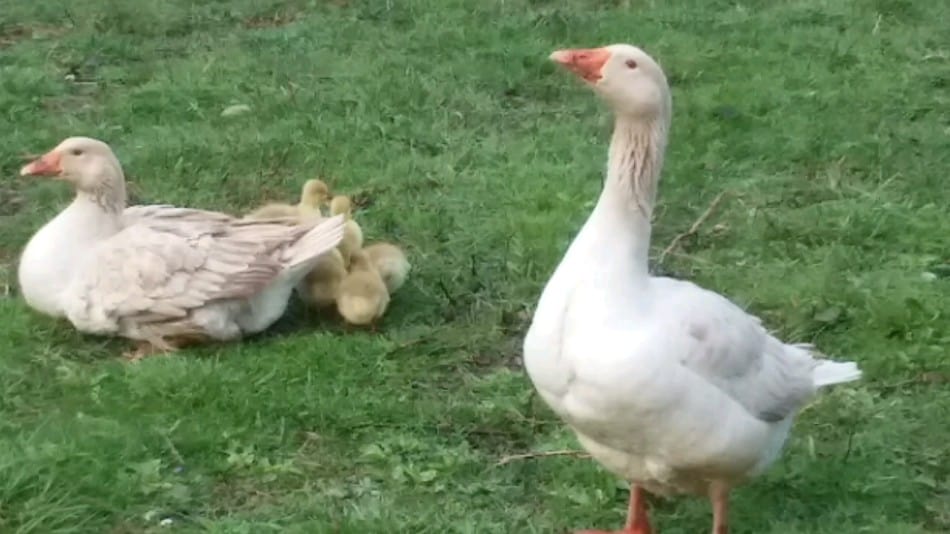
column 584, row 62
column 47, row 165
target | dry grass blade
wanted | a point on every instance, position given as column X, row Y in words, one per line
column 541, row 454
column 693, row 228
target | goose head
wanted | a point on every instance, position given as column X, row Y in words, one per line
column 88, row 164
column 626, row 77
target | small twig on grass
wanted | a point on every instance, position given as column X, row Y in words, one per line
column 446, row 292
column 692, row 229
column 847, row 452
column 926, row 378
column 171, row 446
column 541, row 454
column 405, row 345
column 172, row 449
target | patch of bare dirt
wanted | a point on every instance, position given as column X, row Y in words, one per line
column 11, row 201
column 11, row 35
column 273, row 20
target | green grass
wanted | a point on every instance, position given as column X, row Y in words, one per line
column 825, row 120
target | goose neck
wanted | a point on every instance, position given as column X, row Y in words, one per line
column 625, row 206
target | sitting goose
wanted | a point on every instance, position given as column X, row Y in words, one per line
column 162, row 275
column 668, row 385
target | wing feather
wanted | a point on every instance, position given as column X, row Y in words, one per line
column 730, row 349
column 169, row 261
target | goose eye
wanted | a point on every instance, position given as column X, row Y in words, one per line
column 631, row 63
column 76, row 152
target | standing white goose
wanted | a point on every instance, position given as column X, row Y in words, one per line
column 163, row 275
column 668, row 385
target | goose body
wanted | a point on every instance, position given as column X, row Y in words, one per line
column 352, row 241
column 668, row 385
column 391, row 262
column 362, row 297
column 159, row 274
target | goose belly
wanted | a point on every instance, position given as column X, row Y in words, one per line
column 265, row 308
column 650, row 472
column 53, row 255
column 45, row 270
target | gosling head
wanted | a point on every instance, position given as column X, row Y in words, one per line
column 341, row 204
column 314, row 193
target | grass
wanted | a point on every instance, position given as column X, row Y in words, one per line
column 824, row 120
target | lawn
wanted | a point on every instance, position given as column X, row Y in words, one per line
column 824, row 122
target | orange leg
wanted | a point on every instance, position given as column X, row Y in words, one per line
column 719, row 496
column 144, row 349
column 637, row 520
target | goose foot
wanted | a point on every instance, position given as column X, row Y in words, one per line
column 637, row 520
column 351, row 328
column 626, row 530
column 144, row 349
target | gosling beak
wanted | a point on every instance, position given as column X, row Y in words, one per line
column 587, row 63
column 46, row 165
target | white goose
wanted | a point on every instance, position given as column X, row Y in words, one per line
column 668, row 385
column 162, row 275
